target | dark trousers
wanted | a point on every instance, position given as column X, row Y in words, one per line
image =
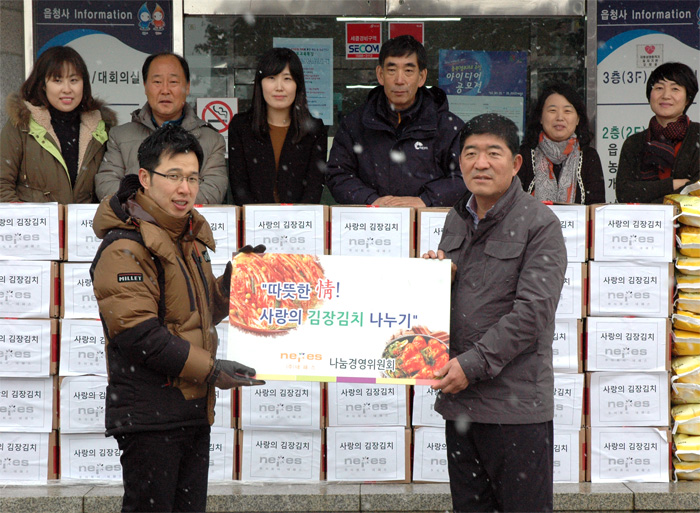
column 165, row 470
column 500, row 467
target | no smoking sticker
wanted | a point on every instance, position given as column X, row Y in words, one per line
column 218, row 112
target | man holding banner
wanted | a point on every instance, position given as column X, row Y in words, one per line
column 496, row 392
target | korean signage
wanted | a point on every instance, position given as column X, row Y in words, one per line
column 114, row 37
column 363, row 40
column 340, row 318
column 634, row 37
column 412, row 29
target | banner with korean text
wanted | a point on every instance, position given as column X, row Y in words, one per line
column 340, row 318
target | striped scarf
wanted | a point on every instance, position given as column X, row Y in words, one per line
column 661, row 147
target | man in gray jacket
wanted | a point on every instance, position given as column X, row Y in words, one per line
column 166, row 79
column 508, row 261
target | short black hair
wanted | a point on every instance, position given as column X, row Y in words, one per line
column 404, row 46
column 169, row 139
column 680, row 74
column 491, row 124
column 152, row 57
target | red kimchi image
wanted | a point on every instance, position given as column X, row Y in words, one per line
column 272, row 293
column 418, row 353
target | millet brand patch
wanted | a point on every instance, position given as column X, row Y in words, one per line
column 125, row 277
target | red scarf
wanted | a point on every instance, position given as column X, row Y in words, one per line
column 661, row 147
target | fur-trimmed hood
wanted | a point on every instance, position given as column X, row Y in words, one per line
column 20, row 112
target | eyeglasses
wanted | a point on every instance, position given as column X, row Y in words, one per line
column 192, row 180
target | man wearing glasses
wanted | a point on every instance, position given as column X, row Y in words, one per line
column 159, row 303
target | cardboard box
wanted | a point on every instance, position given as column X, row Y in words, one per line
column 572, row 302
column 29, row 289
column 224, row 409
column 430, row 455
column 299, row 229
column 78, row 299
column 367, row 404
column 222, row 332
column 82, row 404
column 628, row 454
column 31, row 231
column 567, row 345
column 372, row 231
column 269, row 455
column 628, row 398
column 574, row 227
column 633, row 232
column 290, row 405
column 568, row 401
column 28, row 405
column 569, row 455
column 424, row 413
column 642, row 289
column 82, row 347
column 223, row 220
column 88, row 456
column 27, row 458
column 81, row 241
column 358, row 454
column 222, row 454
column 28, row 347
column 628, row 344
column 430, row 223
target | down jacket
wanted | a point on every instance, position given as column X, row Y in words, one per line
column 156, row 371
column 32, row 168
column 510, row 272
column 371, row 158
column 122, row 154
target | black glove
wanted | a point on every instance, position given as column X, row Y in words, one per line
column 259, row 249
column 238, row 374
column 225, row 283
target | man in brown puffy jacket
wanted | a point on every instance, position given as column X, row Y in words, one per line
column 159, row 303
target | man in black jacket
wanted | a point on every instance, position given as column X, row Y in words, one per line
column 400, row 149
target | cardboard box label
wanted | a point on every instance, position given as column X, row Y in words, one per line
column 24, row 457
column 25, row 347
column 223, row 414
column 299, row 229
column 430, row 455
column 79, row 301
column 568, row 400
column 574, row 226
column 364, row 231
column 25, row 289
column 81, row 241
column 361, row 454
column 222, row 451
column 431, row 225
column 565, row 345
column 571, row 300
column 29, row 231
column 83, row 404
column 629, row 399
column 424, row 413
column 624, row 232
column 629, row 454
column 567, row 464
column 26, row 404
column 82, row 347
column 619, row 343
column 90, row 456
column 629, row 288
column 358, row 404
column 223, row 221
column 281, row 455
column 292, row 405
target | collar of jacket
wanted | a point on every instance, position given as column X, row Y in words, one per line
column 498, row 211
column 424, row 120
column 190, row 121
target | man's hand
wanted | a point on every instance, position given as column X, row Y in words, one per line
column 440, row 255
column 453, row 378
column 399, row 201
column 228, row 374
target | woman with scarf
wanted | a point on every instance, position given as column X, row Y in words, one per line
column 665, row 157
column 55, row 138
column 559, row 164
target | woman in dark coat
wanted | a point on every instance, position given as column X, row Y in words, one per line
column 277, row 150
column 559, row 164
column 665, row 157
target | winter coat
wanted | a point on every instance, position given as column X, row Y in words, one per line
column 156, row 371
column 251, row 164
column 122, row 155
column 371, row 158
column 628, row 186
column 510, row 272
column 591, row 175
column 32, row 168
